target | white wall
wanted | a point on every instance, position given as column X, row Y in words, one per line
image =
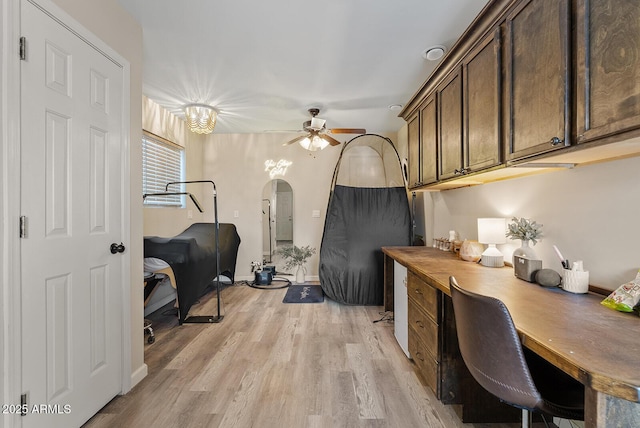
column 589, row 212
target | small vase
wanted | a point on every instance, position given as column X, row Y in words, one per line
column 525, row 251
column 300, row 275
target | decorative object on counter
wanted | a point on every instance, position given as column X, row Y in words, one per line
column 525, row 268
column 471, row 251
column 527, row 231
column 548, row 278
column 442, row 244
column 455, row 247
column 296, row 257
column 491, row 231
column 576, row 279
column 563, row 261
column 625, row 298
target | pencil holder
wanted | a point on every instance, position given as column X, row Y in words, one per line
column 575, row 281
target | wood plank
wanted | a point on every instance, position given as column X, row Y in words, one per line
column 271, row 364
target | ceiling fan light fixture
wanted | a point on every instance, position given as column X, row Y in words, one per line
column 200, row 118
column 313, row 142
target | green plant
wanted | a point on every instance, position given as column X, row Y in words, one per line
column 524, row 229
column 295, row 256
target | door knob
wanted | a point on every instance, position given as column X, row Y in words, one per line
column 117, row 248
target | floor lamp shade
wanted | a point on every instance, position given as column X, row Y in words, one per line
column 492, row 231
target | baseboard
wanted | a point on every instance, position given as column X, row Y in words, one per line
column 139, row 374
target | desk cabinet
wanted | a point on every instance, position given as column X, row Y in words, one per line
column 430, row 339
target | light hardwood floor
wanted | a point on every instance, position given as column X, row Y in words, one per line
column 271, row 364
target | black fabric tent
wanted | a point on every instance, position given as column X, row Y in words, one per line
column 368, row 209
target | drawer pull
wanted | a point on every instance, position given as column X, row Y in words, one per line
column 418, row 291
column 419, row 356
column 420, row 324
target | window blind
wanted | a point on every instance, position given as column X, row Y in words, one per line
column 162, row 162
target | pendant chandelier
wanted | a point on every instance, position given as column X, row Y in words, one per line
column 200, row 118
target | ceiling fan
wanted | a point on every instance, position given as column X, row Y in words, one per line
column 316, row 137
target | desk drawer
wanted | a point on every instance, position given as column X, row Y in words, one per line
column 428, row 367
column 424, row 328
column 423, row 294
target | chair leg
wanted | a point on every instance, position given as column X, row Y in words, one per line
column 526, row 418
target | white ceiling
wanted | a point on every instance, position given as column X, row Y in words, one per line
column 263, row 64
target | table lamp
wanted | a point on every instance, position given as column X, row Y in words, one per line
column 492, row 231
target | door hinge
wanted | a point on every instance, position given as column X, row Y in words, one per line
column 23, row 48
column 24, row 406
column 23, row 226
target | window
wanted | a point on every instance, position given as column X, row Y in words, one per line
column 162, row 163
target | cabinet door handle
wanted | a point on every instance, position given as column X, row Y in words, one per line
column 417, row 291
column 419, row 356
column 556, row 141
column 420, row 324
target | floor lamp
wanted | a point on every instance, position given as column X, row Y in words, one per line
column 219, row 317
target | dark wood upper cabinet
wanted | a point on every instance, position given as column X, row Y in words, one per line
column 537, row 89
column 544, row 82
column 449, row 99
column 429, row 140
column 422, row 140
column 413, row 126
column 482, row 105
column 608, row 68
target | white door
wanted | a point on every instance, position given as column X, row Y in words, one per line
column 284, row 216
column 71, row 127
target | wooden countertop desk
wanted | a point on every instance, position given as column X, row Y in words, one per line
column 596, row 345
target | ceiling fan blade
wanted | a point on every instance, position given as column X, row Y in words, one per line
column 296, row 140
column 330, row 140
column 347, row 131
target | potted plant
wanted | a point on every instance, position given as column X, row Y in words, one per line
column 296, row 257
column 526, row 231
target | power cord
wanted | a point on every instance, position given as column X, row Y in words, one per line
column 386, row 317
column 286, row 281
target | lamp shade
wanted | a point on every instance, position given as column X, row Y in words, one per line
column 314, row 142
column 492, row 230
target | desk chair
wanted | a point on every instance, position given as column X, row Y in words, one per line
column 494, row 355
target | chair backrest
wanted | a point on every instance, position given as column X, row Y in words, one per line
column 491, row 348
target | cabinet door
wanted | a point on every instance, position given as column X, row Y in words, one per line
column 608, row 63
column 429, row 140
column 537, row 77
column 413, row 125
column 482, row 105
column 450, row 120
